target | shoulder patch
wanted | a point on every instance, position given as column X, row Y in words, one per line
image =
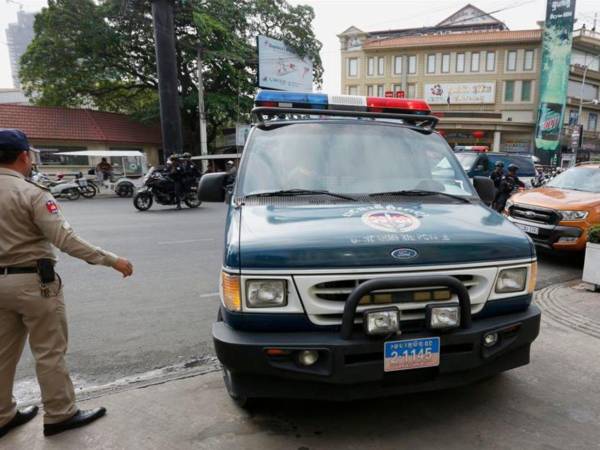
column 52, row 207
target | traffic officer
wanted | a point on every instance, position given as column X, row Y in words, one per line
column 31, row 296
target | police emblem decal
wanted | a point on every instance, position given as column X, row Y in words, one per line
column 391, row 221
column 52, row 207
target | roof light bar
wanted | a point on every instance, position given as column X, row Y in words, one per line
column 307, row 100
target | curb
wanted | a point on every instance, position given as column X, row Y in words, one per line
column 560, row 310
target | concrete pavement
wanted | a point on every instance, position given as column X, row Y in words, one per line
column 553, row 403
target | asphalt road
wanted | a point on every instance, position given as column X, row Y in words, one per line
column 162, row 315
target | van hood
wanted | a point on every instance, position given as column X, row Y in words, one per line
column 555, row 198
column 289, row 235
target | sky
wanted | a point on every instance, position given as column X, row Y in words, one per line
column 335, row 16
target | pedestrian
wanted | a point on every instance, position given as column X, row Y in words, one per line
column 497, row 174
column 509, row 183
column 31, row 295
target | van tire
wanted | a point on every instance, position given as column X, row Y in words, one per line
column 239, row 398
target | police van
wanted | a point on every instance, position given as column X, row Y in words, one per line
column 360, row 261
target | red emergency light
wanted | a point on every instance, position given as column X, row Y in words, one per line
column 383, row 104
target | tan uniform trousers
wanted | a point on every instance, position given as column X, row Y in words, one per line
column 23, row 311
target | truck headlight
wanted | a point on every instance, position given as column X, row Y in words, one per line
column 443, row 317
column 511, row 280
column 573, row 215
column 266, row 293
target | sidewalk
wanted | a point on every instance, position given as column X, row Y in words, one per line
column 542, row 405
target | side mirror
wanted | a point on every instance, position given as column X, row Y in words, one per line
column 212, row 187
column 485, row 188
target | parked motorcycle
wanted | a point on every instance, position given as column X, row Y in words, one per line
column 71, row 190
column 160, row 187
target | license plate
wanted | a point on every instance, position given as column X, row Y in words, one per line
column 528, row 228
column 411, row 354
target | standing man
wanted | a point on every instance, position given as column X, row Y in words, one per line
column 497, row 174
column 507, row 187
column 31, row 296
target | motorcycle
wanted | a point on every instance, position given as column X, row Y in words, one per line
column 71, row 190
column 160, row 187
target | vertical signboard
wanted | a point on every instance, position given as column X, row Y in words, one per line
column 556, row 59
column 282, row 69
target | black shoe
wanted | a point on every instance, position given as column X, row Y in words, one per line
column 80, row 419
column 22, row 417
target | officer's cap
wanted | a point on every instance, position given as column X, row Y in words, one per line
column 11, row 139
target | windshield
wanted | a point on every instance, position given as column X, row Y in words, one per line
column 466, row 160
column 578, row 179
column 349, row 158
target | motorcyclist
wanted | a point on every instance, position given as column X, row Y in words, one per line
column 190, row 170
column 498, row 174
column 508, row 184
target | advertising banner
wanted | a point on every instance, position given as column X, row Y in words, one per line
column 280, row 68
column 460, row 93
column 554, row 78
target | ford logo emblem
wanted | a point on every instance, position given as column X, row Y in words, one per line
column 404, row 253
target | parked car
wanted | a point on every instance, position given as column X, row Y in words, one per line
column 360, row 260
column 558, row 215
column 482, row 164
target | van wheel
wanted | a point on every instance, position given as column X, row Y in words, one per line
column 239, row 398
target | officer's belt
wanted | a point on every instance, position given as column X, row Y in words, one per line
column 17, row 270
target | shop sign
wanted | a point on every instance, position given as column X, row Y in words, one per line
column 460, row 93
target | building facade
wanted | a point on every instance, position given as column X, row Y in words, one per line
column 52, row 130
column 478, row 76
column 18, row 37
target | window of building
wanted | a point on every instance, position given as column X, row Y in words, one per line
column 371, row 66
column 352, row 90
column 528, row 61
column 490, row 61
column 445, row 63
column 380, row 91
column 431, row 63
column 590, row 91
column 475, row 62
column 511, row 60
column 49, row 157
column 526, row 90
column 411, row 91
column 381, row 66
column 592, row 121
column 370, row 90
column 573, row 117
column 412, row 64
column 352, row 67
column 509, row 91
column 397, row 65
column 460, row 62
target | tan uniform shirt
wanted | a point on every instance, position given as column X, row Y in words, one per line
column 31, row 223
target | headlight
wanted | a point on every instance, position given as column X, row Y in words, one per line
column 266, row 293
column 573, row 215
column 511, row 280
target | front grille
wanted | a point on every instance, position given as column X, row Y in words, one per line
column 538, row 215
column 339, row 290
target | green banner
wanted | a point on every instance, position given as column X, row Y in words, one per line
column 554, row 79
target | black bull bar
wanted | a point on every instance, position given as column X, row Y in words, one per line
column 453, row 284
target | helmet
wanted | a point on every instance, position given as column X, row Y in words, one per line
column 513, row 168
column 499, row 164
column 229, row 163
column 187, row 155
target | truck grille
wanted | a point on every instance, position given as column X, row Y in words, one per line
column 324, row 296
column 538, row 215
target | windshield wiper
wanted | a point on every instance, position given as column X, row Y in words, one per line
column 421, row 193
column 294, row 192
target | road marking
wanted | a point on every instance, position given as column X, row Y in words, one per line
column 189, row 241
column 212, row 294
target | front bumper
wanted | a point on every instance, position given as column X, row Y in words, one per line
column 353, row 368
column 549, row 235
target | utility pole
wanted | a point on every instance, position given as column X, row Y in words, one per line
column 166, row 64
column 201, row 112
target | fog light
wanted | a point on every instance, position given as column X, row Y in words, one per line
column 382, row 321
column 490, row 339
column 308, row 357
column 443, row 316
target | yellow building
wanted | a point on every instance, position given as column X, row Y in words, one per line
column 480, row 77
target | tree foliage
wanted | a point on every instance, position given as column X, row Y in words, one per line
column 100, row 55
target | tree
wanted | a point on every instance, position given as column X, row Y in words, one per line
column 100, row 55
